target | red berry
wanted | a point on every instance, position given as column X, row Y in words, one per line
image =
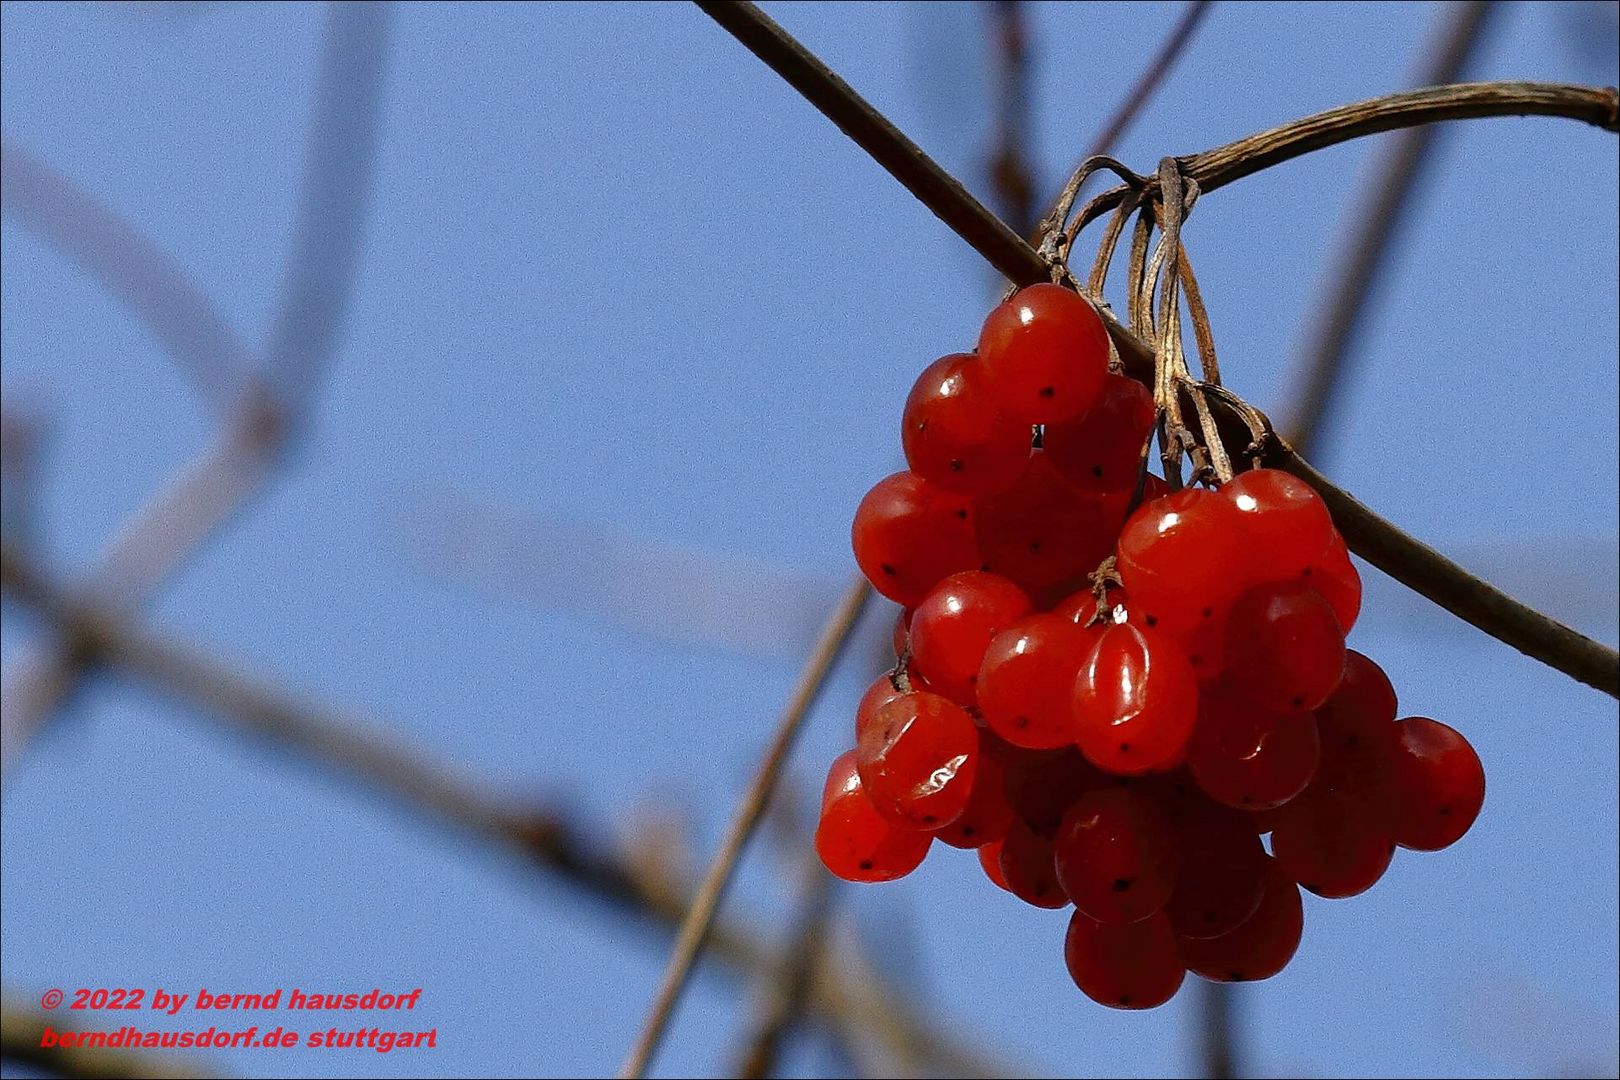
column 1249, row 758
column 1124, row 966
column 954, row 625
column 987, row 814
column 1288, row 526
column 1356, row 725
column 1027, row 868
column 880, row 693
column 908, row 534
column 900, row 637
column 1135, row 700
column 854, row 842
column 1101, row 450
column 1331, row 844
column 1284, row 647
column 1041, row 531
column 1335, row 577
column 1027, row 679
column 1221, row 876
column 1116, row 855
column 917, row 761
column 1045, row 352
column 1262, row 945
column 990, row 862
column 1041, row 785
column 954, row 435
column 1179, row 558
column 1437, row 785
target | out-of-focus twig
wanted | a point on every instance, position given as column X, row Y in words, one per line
column 700, row 916
column 1377, row 219
column 262, row 411
column 844, row 991
column 789, row 985
column 1011, row 177
column 22, row 1034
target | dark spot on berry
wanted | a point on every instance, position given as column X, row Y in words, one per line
column 973, row 678
column 1305, row 572
column 866, row 864
column 1299, row 702
column 1124, row 999
column 962, row 514
column 1122, row 883
column 1209, row 613
column 1236, row 976
column 968, row 830
column 1034, row 545
column 956, row 464
column 1351, row 740
column 1152, row 620
column 1444, row 810
column 1096, row 470
column 929, row 819
column 1020, row 721
column 1124, row 747
column 1247, row 800
column 985, row 568
column 1195, row 660
column 887, row 569
column 1048, row 392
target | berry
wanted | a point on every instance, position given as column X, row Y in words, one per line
column 1437, row 785
column 917, row 761
column 900, row 636
column 1335, row 577
column 1045, row 353
column 1028, row 870
column 1284, row 647
column 1331, row 844
column 1041, row 532
column 987, row 814
column 1247, row 757
column 954, row 624
column 990, row 862
column 880, row 693
column 908, row 534
column 1177, row 556
column 954, row 435
column 853, row 841
column 1101, row 450
column 1287, row 526
column 1221, row 876
column 1124, row 966
column 1261, row 945
column 1116, row 855
column 1041, row 785
column 1135, row 700
column 1356, row 725
column 1026, row 680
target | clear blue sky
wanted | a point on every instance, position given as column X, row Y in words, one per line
column 618, row 275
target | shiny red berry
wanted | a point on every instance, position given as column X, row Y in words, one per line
column 1287, row 526
column 908, row 534
column 853, row 841
column 1180, row 559
column 1262, row 945
column 987, row 814
column 1045, row 352
column 880, row 693
column 1041, row 785
column 1332, row 844
column 1284, row 647
column 1248, row 757
column 1336, row 578
column 917, row 761
column 990, row 863
column 1437, row 785
column 1027, row 679
column 1116, row 854
column 1135, row 700
column 955, row 436
column 1221, row 875
column 1041, row 531
column 1101, row 450
column 954, row 625
column 1124, row 966
column 1028, row 869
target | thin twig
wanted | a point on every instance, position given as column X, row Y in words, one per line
column 1135, row 100
column 790, row 984
column 359, row 750
column 1377, row 218
column 1217, row 1052
column 1403, row 558
column 1010, row 175
column 22, row 1035
column 700, row 917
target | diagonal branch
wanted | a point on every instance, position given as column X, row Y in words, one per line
column 700, row 916
column 22, row 1035
column 1403, row 558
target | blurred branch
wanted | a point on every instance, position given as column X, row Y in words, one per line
column 695, row 927
column 21, row 1032
column 789, row 985
column 1217, row 1044
column 1378, row 220
column 1404, row 558
column 1010, row 175
column 359, row 751
column 258, row 422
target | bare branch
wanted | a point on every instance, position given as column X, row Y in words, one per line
column 1407, row 560
column 700, row 917
column 1010, row 175
column 789, row 985
column 21, row 1036
column 1378, row 218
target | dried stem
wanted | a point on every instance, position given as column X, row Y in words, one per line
column 358, row 750
column 1378, row 217
column 700, row 916
column 790, row 984
column 1403, row 558
column 21, row 1032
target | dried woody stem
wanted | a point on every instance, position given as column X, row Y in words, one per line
column 359, row 750
column 1407, row 560
column 21, row 1032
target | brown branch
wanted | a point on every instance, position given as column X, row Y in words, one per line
column 1378, row 219
column 1403, row 558
column 21, row 1032
column 1135, row 100
column 789, row 985
column 357, row 750
column 700, row 916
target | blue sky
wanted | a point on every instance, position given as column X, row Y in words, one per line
column 620, row 278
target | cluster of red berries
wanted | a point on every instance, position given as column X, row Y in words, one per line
column 1121, row 741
